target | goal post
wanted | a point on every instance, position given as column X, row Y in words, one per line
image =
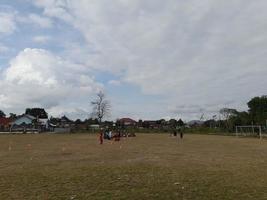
column 251, row 130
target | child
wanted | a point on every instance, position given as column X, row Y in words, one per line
column 101, row 137
column 175, row 133
column 110, row 134
column 117, row 137
column 181, row 133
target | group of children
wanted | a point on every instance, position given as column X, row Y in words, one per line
column 109, row 135
column 179, row 131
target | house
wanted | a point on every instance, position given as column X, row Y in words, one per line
column 24, row 119
column 5, row 123
column 62, row 122
column 151, row 124
column 80, row 125
column 195, row 123
column 94, row 126
column 126, row 122
column 61, row 125
column 66, row 122
column 43, row 124
column 24, row 123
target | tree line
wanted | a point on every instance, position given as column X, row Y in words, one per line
column 255, row 115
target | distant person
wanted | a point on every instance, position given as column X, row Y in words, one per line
column 106, row 136
column 181, row 133
column 174, row 133
column 110, row 134
column 117, row 137
column 101, row 137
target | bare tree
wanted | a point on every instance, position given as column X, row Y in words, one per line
column 101, row 107
column 227, row 113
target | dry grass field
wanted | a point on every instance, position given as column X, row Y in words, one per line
column 150, row 166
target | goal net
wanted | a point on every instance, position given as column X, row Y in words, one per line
column 252, row 131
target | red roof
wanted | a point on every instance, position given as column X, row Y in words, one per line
column 5, row 121
column 127, row 120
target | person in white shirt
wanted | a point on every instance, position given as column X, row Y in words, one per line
column 110, row 134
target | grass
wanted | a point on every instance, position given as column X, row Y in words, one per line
column 150, row 166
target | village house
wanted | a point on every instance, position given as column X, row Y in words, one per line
column 126, row 122
column 23, row 123
column 29, row 123
column 61, row 125
column 151, row 124
column 5, row 124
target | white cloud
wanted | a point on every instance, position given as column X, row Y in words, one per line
column 41, row 39
column 7, row 23
column 43, row 22
column 3, row 48
column 193, row 52
column 36, row 77
column 55, row 8
column 73, row 113
column 114, row 82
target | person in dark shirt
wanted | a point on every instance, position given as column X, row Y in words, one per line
column 181, row 133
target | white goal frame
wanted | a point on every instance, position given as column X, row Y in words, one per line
column 253, row 127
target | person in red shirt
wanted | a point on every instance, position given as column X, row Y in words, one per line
column 117, row 137
column 101, row 137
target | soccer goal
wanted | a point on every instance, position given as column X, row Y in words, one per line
column 253, row 131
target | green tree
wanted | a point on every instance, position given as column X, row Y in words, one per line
column 258, row 109
column 172, row 122
column 2, row 114
column 12, row 115
column 180, row 122
column 37, row 112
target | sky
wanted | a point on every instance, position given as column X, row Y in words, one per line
column 153, row 59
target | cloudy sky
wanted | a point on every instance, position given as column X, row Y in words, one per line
column 153, row 58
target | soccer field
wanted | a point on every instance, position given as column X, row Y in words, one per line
column 150, row 166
